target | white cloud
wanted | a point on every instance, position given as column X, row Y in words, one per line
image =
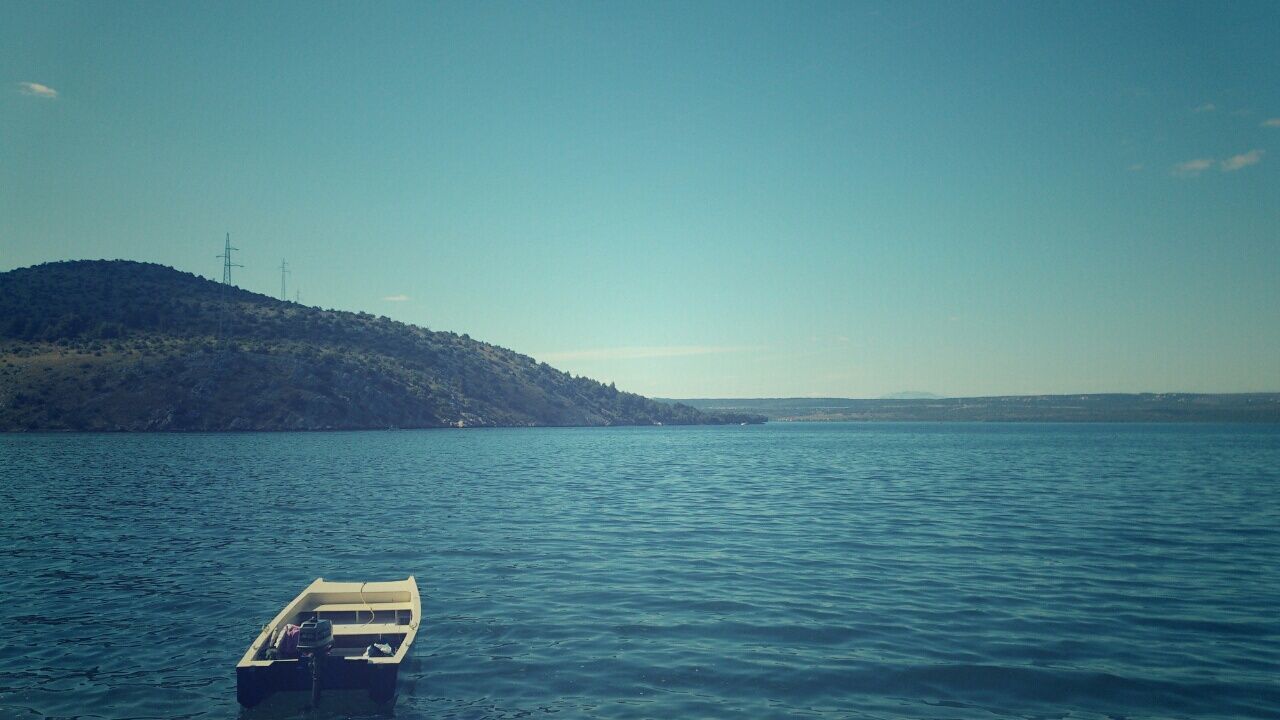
column 1271, row 122
column 1191, row 168
column 1243, row 160
column 396, row 298
column 1136, row 167
column 37, row 90
column 637, row 352
column 1207, row 107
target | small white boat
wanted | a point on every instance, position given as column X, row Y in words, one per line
column 334, row 635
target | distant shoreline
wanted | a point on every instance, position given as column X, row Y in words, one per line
column 307, row 431
column 1097, row 407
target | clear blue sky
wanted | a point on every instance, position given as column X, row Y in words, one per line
column 691, row 199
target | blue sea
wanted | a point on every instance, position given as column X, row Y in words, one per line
column 787, row 570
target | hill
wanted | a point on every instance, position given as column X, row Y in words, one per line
column 120, row 345
column 1099, row 407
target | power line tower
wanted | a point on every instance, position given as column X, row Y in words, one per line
column 224, row 318
column 226, row 261
column 284, row 270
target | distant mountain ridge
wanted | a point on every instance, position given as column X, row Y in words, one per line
column 127, row 346
column 1098, row 407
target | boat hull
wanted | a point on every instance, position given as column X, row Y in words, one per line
column 255, row 684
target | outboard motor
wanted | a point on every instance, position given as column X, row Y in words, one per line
column 315, row 638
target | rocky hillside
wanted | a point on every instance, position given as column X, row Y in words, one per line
column 118, row 345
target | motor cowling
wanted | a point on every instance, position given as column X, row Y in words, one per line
column 316, row 636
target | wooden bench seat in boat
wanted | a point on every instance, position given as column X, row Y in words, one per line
column 360, row 607
column 370, row 629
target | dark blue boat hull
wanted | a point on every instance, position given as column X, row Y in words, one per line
column 254, row 684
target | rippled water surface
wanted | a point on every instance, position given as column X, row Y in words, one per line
column 805, row 570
